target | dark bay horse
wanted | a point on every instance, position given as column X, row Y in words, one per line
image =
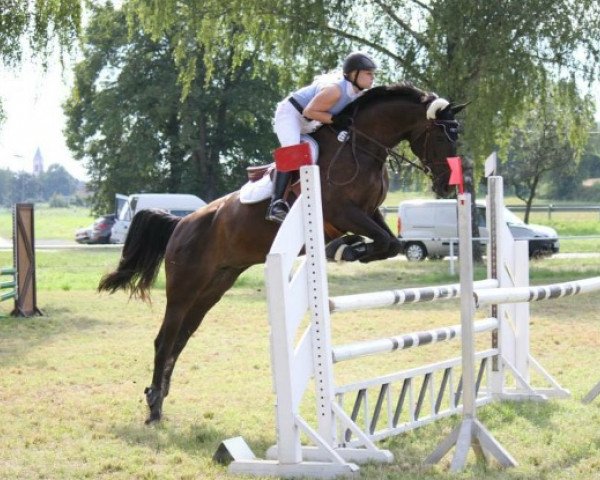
column 206, row 251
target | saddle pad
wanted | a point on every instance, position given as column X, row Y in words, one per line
column 254, row 192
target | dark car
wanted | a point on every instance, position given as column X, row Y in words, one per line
column 543, row 241
column 99, row 232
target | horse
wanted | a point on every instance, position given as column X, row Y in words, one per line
column 206, row 251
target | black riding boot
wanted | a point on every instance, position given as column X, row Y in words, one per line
column 279, row 208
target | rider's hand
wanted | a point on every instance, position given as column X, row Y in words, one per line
column 341, row 122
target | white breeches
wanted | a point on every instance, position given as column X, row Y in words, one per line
column 289, row 124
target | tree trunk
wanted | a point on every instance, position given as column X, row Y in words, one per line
column 203, row 160
column 530, row 197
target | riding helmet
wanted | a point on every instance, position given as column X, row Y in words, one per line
column 358, row 61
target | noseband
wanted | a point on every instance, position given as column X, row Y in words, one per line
column 450, row 129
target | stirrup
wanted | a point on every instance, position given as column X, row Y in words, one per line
column 277, row 211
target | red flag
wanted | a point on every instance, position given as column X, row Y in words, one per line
column 456, row 174
column 291, row 158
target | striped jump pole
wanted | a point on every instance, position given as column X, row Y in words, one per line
column 388, row 298
column 407, row 340
column 526, row 295
column 536, row 293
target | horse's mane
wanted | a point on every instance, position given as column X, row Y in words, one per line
column 405, row 89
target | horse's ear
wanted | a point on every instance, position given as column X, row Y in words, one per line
column 458, row 108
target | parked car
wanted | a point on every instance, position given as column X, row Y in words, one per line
column 98, row 232
column 425, row 228
column 178, row 204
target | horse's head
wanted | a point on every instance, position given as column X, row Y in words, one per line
column 436, row 141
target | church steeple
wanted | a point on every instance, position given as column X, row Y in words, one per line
column 38, row 163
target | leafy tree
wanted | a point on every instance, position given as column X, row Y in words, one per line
column 569, row 185
column 56, row 180
column 37, row 26
column 6, row 184
column 550, row 139
column 26, row 188
column 496, row 54
column 127, row 119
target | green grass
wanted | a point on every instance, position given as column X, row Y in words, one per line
column 50, row 223
column 71, row 389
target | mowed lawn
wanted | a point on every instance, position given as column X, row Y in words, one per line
column 71, row 389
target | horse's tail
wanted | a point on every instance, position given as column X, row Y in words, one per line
column 143, row 252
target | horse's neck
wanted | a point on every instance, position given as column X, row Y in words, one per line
column 390, row 122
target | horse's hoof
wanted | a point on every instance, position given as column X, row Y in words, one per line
column 154, row 399
column 154, row 417
column 348, row 248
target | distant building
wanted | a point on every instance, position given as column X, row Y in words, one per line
column 38, row 163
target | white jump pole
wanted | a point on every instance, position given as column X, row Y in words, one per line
column 470, row 433
column 405, row 341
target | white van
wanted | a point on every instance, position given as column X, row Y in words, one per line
column 426, row 228
column 178, row 204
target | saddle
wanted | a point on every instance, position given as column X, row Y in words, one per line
column 292, row 192
column 258, row 172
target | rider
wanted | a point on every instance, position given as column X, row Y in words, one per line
column 319, row 103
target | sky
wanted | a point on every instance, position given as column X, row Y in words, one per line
column 32, row 102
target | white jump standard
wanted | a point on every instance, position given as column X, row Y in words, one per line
column 345, row 432
column 470, row 433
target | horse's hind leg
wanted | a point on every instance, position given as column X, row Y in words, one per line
column 163, row 347
column 218, row 285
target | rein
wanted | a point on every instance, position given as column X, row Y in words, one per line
column 389, row 151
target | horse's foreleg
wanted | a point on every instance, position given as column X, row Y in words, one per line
column 394, row 244
column 384, row 244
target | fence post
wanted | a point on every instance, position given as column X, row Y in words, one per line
column 24, row 261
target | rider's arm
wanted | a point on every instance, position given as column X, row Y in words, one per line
column 318, row 108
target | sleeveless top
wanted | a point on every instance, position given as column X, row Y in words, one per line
column 304, row 95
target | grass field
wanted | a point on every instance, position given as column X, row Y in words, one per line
column 71, row 389
column 50, row 223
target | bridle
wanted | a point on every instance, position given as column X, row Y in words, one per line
column 449, row 127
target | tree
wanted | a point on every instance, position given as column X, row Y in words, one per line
column 129, row 120
column 37, row 26
column 550, row 139
column 570, row 185
column 6, row 184
column 26, row 188
column 494, row 53
column 56, row 180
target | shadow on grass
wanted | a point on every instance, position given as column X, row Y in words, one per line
column 538, row 414
column 20, row 335
column 412, row 448
column 198, row 439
